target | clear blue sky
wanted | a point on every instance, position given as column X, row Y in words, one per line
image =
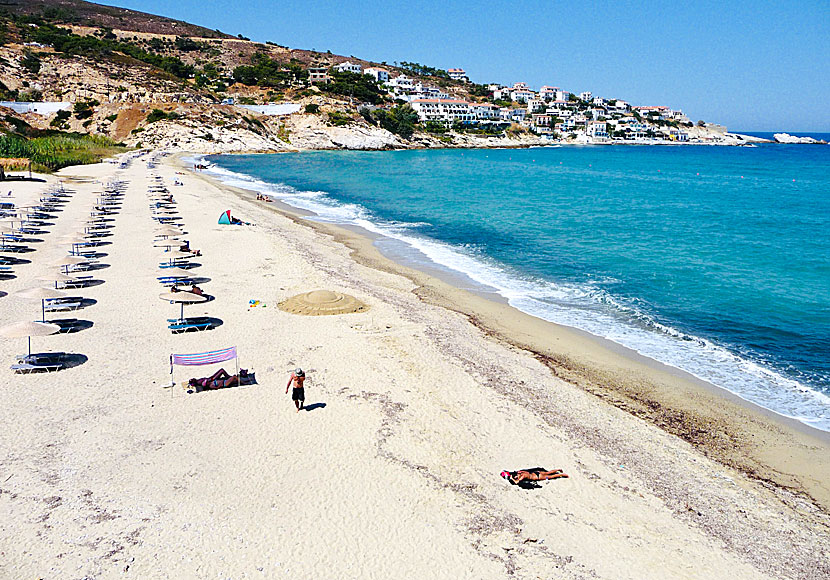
column 753, row 65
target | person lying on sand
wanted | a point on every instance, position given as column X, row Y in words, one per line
column 535, row 474
column 217, row 380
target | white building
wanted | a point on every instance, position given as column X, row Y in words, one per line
column 521, row 93
column 379, row 74
column 41, row 108
column 457, row 74
column 586, row 96
column 597, row 130
column 562, row 95
column 599, row 102
column 535, row 105
column 541, row 123
column 485, row 111
column 446, row 111
column 349, row 67
column 548, row 93
column 401, row 84
column 318, row 74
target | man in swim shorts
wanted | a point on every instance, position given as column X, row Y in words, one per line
column 297, row 378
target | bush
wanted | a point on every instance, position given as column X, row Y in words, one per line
column 112, row 117
column 267, row 72
column 311, row 108
column 400, row 120
column 353, row 85
column 156, row 115
column 30, row 62
column 84, row 109
column 339, row 119
column 60, row 118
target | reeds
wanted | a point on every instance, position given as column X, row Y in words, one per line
column 53, row 152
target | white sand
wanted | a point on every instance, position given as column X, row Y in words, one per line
column 104, row 473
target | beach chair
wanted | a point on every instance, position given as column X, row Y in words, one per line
column 25, row 368
column 196, row 323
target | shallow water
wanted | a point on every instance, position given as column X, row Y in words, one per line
column 715, row 260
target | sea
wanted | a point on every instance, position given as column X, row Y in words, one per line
column 714, row 260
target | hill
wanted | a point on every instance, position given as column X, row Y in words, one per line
column 77, row 12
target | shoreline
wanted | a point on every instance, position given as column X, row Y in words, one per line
column 766, row 446
column 413, row 410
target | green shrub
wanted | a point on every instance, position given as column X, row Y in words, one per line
column 339, row 119
column 312, row 108
column 30, row 62
column 60, row 118
column 112, row 117
column 156, row 115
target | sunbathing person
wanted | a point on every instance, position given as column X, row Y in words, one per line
column 535, row 474
column 217, row 380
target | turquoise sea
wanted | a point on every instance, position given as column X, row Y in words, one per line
column 715, row 260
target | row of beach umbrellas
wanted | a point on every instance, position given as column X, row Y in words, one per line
column 91, row 231
column 175, row 267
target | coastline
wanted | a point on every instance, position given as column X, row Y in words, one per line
column 413, row 409
column 761, row 443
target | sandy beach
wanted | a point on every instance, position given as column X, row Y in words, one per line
column 413, row 408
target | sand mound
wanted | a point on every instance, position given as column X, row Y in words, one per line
column 322, row 302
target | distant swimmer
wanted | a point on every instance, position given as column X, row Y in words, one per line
column 297, row 378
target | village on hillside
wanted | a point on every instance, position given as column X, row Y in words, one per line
column 161, row 83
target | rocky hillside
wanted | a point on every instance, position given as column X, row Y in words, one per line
column 118, row 66
column 146, row 80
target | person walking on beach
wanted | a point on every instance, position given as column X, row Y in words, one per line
column 297, row 378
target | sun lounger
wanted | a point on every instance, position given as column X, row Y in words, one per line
column 25, row 368
column 63, row 305
column 178, row 325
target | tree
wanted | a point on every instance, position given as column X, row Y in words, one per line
column 30, row 62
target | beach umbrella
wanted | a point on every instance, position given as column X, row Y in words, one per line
column 322, row 302
column 168, row 231
column 28, row 330
column 42, row 294
column 168, row 242
column 177, row 255
column 182, row 298
column 67, row 261
column 57, row 277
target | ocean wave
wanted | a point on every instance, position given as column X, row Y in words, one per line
column 585, row 306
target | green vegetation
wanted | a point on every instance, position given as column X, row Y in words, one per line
column 189, row 45
column 400, row 119
column 52, row 150
column 423, row 70
column 339, row 119
column 60, row 119
column 348, row 84
column 68, row 43
column 30, row 62
column 112, row 117
column 84, row 109
column 312, row 108
column 267, row 72
column 159, row 115
column 479, row 90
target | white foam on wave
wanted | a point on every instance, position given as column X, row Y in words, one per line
column 583, row 306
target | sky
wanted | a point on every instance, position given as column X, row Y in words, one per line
column 752, row 65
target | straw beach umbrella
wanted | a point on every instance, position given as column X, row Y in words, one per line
column 42, row 294
column 57, row 277
column 28, row 330
column 182, row 298
column 67, row 261
column 321, row 303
